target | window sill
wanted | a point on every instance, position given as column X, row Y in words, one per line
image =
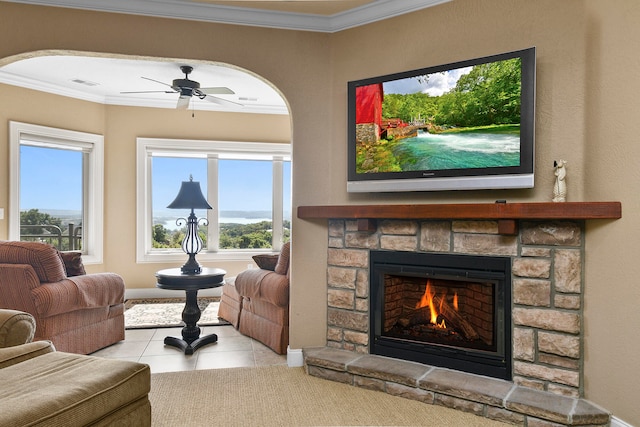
column 179, row 256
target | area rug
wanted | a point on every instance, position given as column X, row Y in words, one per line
column 167, row 313
column 281, row 396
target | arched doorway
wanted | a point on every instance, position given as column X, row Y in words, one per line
column 91, row 92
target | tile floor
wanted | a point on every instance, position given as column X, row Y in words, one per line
column 233, row 350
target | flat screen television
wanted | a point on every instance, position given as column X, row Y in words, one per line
column 467, row 125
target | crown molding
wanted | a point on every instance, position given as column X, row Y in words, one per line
column 375, row 12
column 176, row 9
column 26, row 83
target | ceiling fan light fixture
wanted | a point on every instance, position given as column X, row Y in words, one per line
column 186, row 91
column 182, row 83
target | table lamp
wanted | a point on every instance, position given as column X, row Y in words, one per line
column 190, row 197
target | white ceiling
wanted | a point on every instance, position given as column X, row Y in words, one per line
column 102, row 79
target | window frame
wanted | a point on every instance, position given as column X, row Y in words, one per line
column 92, row 145
column 277, row 153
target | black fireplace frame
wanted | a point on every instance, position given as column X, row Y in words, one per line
column 494, row 269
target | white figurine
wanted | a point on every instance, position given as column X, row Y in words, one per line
column 560, row 187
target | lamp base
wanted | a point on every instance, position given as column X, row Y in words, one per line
column 191, row 266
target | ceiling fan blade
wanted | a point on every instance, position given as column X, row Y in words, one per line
column 151, row 91
column 183, row 102
column 158, row 81
column 223, row 102
column 216, row 91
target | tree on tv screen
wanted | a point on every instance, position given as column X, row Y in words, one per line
column 488, row 95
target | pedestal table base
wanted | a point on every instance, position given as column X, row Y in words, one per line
column 173, row 279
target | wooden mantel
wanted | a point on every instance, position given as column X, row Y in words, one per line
column 549, row 210
column 507, row 214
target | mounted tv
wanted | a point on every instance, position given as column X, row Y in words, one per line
column 467, row 125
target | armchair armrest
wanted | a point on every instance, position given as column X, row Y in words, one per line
column 274, row 288
column 17, row 281
column 19, row 353
column 248, row 282
column 265, row 285
column 79, row 292
column 16, row 327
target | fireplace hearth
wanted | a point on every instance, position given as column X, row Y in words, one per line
column 446, row 310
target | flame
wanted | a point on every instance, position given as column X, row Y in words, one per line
column 427, row 301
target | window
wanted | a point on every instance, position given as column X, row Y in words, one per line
column 246, row 183
column 56, row 188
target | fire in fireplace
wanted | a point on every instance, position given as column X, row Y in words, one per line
column 446, row 310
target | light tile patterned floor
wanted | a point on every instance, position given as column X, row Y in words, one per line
column 233, row 350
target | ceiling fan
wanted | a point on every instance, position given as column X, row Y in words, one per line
column 188, row 88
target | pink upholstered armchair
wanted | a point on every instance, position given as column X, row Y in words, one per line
column 256, row 302
column 79, row 314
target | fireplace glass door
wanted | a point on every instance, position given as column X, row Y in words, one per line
column 442, row 309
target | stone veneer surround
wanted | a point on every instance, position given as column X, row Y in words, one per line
column 547, row 259
column 547, row 280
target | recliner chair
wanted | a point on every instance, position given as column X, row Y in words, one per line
column 78, row 314
column 256, row 302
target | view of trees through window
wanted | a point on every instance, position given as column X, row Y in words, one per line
column 36, row 226
column 232, row 236
column 51, row 210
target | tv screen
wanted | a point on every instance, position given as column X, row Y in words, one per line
column 460, row 126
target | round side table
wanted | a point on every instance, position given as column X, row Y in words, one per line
column 174, row 279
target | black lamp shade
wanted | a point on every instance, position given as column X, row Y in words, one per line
column 190, row 197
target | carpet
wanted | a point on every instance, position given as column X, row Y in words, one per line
column 167, row 313
column 282, row 396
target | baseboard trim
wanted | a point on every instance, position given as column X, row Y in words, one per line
column 295, row 357
column 617, row 422
column 142, row 293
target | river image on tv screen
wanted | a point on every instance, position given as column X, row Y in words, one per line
column 457, row 119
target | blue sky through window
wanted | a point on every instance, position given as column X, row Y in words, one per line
column 50, row 179
column 245, row 185
column 167, row 174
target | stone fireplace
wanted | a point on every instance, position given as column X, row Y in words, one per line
column 546, row 278
column 541, row 382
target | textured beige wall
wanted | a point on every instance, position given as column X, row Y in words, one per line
column 465, row 29
column 586, row 107
column 612, row 153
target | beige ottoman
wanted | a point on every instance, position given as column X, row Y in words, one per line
column 64, row 389
column 42, row 387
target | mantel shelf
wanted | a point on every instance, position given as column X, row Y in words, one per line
column 497, row 211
